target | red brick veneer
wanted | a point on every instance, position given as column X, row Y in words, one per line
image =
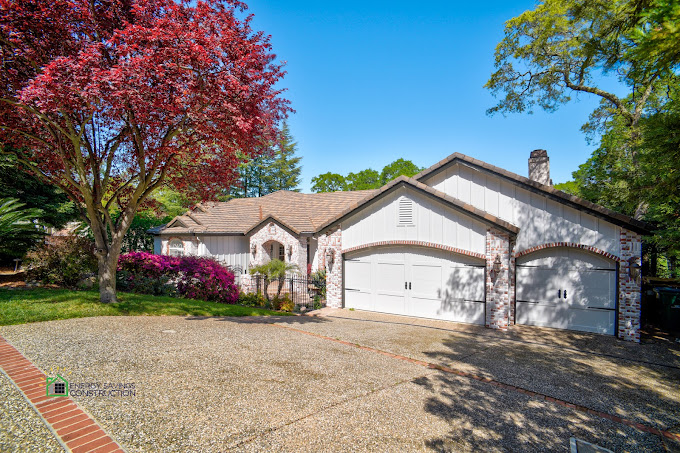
column 432, row 245
column 575, row 245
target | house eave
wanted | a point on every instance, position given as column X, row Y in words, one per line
column 572, row 201
column 440, row 197
column 274, row 219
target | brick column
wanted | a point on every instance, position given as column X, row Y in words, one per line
column 301, row 259
column 629, row 289
column 513, row 282
column 497, row 283
column 333, row 241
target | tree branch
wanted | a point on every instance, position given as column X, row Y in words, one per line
column 618, row 103
column 640, row 106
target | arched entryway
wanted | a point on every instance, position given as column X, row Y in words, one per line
column 275, row 251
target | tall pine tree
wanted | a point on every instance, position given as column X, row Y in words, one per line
column 283, row 171
column 275, row 168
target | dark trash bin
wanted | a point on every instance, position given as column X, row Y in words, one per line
column 669, row 307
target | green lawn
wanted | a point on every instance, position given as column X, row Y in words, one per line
column 19, row 306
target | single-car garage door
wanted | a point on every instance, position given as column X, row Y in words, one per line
column 568, row 289
column 414, row 281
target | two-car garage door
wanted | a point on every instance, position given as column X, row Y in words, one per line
column 415, row 281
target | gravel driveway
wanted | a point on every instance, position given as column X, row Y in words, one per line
column 241, row 384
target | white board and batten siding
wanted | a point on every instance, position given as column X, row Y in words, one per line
column 411, row 280
column 406, row 215
column 229, row 250
column 540, row 219
column 157, row 245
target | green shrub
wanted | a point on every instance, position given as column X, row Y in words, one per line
column 285, row 304
column 62, row 260
column 319, row 277
column 251, row 300
column 18, row 232
column 275, row 302
column 282, row 303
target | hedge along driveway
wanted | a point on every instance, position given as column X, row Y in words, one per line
column 18, row 306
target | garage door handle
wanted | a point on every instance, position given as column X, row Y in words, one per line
column 565, row 293
column 409, row 285
column 559, row 293
column 405, row 285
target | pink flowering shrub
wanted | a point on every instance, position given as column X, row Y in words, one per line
column 187, row 276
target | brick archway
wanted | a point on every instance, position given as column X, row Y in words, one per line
column 431, row 245
column 272, row 249
column 270, row 233
column 574, row 245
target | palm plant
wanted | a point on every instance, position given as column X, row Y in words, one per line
column 274, row 270
column 18, row 227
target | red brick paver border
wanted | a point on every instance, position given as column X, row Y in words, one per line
column 639, row 426
column 73, row 427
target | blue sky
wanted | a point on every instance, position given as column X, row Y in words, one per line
column 373, row 81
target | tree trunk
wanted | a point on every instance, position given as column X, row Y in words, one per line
column 281, row 282
column 108, row 249
column 107, row 277
column 265, row 284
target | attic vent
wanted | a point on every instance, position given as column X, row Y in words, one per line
column 405, row 214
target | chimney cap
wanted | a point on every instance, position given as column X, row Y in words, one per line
column 539, row 153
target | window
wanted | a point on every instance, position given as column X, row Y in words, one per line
column 405, row 212
column 176, row 248
column 277, row 250
column 59, row 388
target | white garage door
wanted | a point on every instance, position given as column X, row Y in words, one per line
column 414, row 281
column 567, row 289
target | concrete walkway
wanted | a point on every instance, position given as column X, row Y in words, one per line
column 352, row 381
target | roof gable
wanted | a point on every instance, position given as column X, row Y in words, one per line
column 176, row 222
column 272, row 219
column 430, row 192
column 547, row 191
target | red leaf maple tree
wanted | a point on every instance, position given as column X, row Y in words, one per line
column 111, row 99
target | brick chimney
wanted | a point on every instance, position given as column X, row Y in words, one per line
column 539, row 167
